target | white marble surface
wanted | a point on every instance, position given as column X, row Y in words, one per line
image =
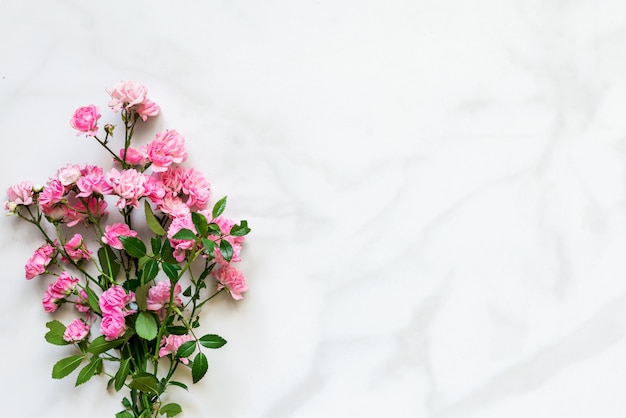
column 437, row 191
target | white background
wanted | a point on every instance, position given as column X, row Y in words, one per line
column 436, row 191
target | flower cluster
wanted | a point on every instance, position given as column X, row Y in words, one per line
column 138, row 291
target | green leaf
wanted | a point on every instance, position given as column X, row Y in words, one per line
column 55, row 335
column 179, row 384
column 171, row 271
column 89, row 370
column 146, row 326
column 177, row 330
column 92, row 300
column 155, row 243
column 212, row 341
column 122, row 372
column 153, row 222
column 185, row 234
column 171, row 410
column 187, row 291
column 134, row 246
column 150, row 271
column 145, row 382
column 200, row 222
column 108, row 262
column 199, row 368
column 186, row 349
column 226, row 249
column 219, row 207
column 124, row 414
column 209, row 247
column 215, row 228
column 166, row 253
column 66, row 366
column 100, row 345
column 141, row 294
column 240, row 230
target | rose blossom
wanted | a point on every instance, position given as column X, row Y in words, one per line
column 52, row 194
column 180, row 245
column 126, row 94
column 128, row 185
column 172, row 343
column 76, row 249
column 226, row 225
column 57, row 291
column 159, row 295
column 167, row 148
column 76, row 331
column 133, row 156
column 233, row 280
column 112, row 326
column 197, row 189
column 113, row 301
column 19, row 194
column 155, row 190
column 114, row 231
column 82, row 302
column 147, row 108
column 69, row 174
column 85, row 120
column 37, row 264
column 174, row 207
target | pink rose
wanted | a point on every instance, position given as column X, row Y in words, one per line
column 69, row 174
column 56, row 292
column 173, row 178
column 112, row 234
column 85, row 120
column 82, row 302
column 155, row 190
column 112, row 326
column 76, row 249
column 113, row 301
column 181, row 246
column 126, row 94
column 167, row 148
column 174, row 207
column 159, row 295
column 128, row 184
column 233, row 280
column 19, row 194
column 197, row 189
column 76, row 331
column 133, row 156
column 37, row 264
column 147, row 108
column 52, row 194
column 226, row 225
column 172, row 343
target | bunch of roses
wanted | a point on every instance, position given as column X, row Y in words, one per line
column 140, row 304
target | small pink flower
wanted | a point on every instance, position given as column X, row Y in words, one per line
column 147, row 108
column 76, row 331
column 112, row 326
column 52, row 194
column 112, row 234
column 171, row 344
column 197, row 189
column 113, row 301
column 155, row 190
column 82, row 302
column 173, row 178
column 69, row 174
column 76, row 249
column 181, row 246
column 92, row 182
column 174, row 207
column 126, row 94
column 57, row 291
column 85, row 120
column 133, row 156
column 159, row 295
column 166, row 149
column 129, row 185
column 19, row 194
column 233, row 280
column 37, row 264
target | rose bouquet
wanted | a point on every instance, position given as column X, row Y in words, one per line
column 135, row 287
